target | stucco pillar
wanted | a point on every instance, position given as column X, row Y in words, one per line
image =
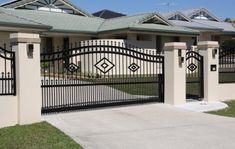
column 210, row 51
column 175, row 76
column 27, row 76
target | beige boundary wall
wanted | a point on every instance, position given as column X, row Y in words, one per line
column 214, row 91
column 226, row 91
column 8, row 111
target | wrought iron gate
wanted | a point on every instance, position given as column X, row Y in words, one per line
column 194, row 75
column 226, row 65
column 7, row 72
column 100, row 73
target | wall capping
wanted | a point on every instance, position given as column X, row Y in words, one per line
column 207, row 44
column 175, row 46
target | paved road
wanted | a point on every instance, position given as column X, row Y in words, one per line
column 153, row 126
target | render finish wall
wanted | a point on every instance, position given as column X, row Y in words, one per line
column 8, row 112
column 205, row 36
column 5, row 39
column 226, row 91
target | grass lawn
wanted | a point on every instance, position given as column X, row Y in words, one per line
column 36, row 136
column 230, row 111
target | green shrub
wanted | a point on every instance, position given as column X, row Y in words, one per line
column 45, row 65
column 228, row 45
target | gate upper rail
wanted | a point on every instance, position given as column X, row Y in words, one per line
column 138, row 53
column 193, row 54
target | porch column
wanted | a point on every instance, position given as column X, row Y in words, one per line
column 27, row 49
column 175, row 74
column 210, row 51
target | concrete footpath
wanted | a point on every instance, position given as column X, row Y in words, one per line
column 151, row 126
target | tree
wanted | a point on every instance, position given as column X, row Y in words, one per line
column 228, row 45
column 227, row 20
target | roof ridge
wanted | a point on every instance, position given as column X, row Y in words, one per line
column 100, row 26
column 69, row 3
column 108, row 10
column 209, row 25
column 102, row 13
column 50, row 12
column 129, row 16
column 130, row 25
column 16, row 16
column 76, row 7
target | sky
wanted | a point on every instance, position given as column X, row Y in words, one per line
column 221, row 8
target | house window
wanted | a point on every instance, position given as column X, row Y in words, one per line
column 94, row 38
column 124, row 37
column 215, row 38
column 49, row 45
column 159, row 44
column 178, row 17
column 66, row 43
column 195, row 39
column 142, row 37
column 176, row 39
column 203, row 16
column 65, row 51
column 155, row 20
column 52, row 9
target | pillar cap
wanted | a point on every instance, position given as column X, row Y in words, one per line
column 204, row 45
column 25, row 38
column 175, row 46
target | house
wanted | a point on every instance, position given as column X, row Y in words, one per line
column 108, row 14
column 60, row 23
column 210, row 26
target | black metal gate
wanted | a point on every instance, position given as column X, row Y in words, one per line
column 100, row 73
column 7, row 72
column 226, row 65
column 194, row 75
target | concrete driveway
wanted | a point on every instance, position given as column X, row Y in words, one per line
column 153, row 126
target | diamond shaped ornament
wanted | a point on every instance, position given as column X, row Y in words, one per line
column 134, row 67
column 72, row 67
column 104, row 65
column 192, row 67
